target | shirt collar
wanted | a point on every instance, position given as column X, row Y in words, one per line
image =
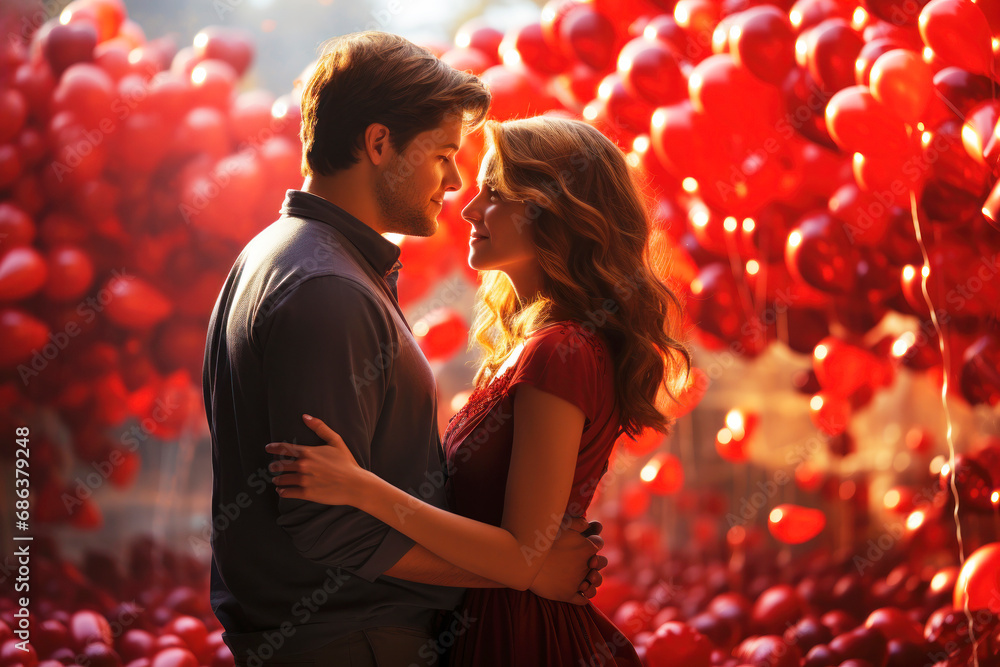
column 381, row 253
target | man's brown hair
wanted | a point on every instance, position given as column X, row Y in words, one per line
column 377, row 77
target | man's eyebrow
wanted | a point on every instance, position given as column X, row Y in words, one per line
column 453, row 146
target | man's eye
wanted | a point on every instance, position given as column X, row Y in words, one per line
column 443, row 157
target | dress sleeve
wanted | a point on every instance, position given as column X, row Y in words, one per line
column 566, row 362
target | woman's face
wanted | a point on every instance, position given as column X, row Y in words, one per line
column 502, row 235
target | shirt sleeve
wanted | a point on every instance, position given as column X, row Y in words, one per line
column 322, row 341
column 564, row 362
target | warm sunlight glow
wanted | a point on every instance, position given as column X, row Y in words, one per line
column 820, row 352
column 729, row 224
column 752, row 267
column 776, row 515
column 748, row 225
column 892, row 499
column 794, row 239
column 915, row 520
column 648, row 473
column 199, row 74
column 689, row 184
column 816, row 402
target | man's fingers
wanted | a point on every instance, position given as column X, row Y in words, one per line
column 595, row 578
column 597, row 541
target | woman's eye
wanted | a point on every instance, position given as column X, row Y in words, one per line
column 443, row 157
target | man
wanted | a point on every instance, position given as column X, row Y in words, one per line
column 308, row 322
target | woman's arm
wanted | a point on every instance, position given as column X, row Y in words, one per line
column 547, row 432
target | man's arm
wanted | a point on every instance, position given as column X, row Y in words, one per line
column 317, row 343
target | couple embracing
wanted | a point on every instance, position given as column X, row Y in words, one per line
column 377, row 540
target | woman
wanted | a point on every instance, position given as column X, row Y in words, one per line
column 576, row 332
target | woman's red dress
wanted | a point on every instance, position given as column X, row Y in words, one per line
column 517, row 627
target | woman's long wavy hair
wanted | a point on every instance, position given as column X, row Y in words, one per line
column 591, row 231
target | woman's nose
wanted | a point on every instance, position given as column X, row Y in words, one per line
column 471, row 213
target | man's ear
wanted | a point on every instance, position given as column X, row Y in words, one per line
column 376, row 143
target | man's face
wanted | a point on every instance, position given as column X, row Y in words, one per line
column 409, row 189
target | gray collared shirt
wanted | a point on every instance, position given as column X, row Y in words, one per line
column 307, row 322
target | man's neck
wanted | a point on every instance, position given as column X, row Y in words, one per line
column 347, row 191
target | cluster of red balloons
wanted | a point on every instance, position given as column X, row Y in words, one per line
column 787, row 140
column 131, row 173
column 891, row 604
column 152, row 610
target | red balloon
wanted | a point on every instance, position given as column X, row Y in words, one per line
column 588, row 35
column 805, row 14
column 70, row 275
column 16, row 227
column 793, row 524
column 979, row 135
column 958, row 31
column 870, row 52
column 818, row 253
column 775, row 609
column 829, row 51
column 64, row 45
column 677, row 133
column 477, row 34
column 471, row 60
column 902, row 81
column 212, row 83
column 87, row 91
column 859, row 124
column 13, row 112
column 230, row 44
column 978, row 583
column 768, row 650
column 174, row 657
column 895, row 12
column 527, row 45
column 517, row 92
column 203, row 130
column 980, row 375
column 764, row 43
column 22, row 273
column 721, row 89
column 895, row 624
column 649, row 70
column 676, row 644
column 690, row 395
column 106, row 16
column 866, row 219
column 829, row 412
column 134, row 303
column 441, row 333
column 20, row 335
column 972, row 482
column 715, row 306
column 663, row 474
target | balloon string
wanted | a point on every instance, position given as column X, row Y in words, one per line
column 949, row 432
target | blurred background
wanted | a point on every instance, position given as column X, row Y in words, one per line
column 822, row 177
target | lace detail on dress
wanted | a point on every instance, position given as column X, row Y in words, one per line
column 478, row 399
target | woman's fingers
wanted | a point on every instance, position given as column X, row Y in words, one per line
column 320, row 428
column 283, row 449
column 289, row 479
